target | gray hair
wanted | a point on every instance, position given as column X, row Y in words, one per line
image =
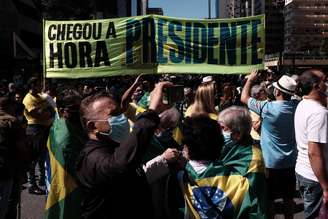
column 169, row 118
column 238, row 119
column 255, row 90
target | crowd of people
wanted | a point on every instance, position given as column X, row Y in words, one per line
column 116, row 148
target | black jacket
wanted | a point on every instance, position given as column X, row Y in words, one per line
column 13, row 153
column 113, row 182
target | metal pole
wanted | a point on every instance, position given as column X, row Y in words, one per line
column 247, row 8
column 209, row 9
column 14, row 44
column 253, row 7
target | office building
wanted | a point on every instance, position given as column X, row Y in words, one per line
column 239, row 8
column 21, row 36
column 158, row 11
column 274, row 26
column 306, row 26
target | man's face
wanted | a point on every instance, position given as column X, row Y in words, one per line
column 36, row 86
column 18, row 98
column 71, row 112
column 138, row 93
column 103, row 109
column 322, row 87
column 87, row 89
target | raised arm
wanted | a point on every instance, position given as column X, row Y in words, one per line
column 126, row 98
column 245, row 94
column 130, row 152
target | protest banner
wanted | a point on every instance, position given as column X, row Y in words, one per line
column 152, row 44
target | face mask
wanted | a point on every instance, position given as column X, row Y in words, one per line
column 120, row 128
column 164, row 136
column 275, row 92
column 227, row 137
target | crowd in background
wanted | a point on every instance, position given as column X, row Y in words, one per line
column 220, row 152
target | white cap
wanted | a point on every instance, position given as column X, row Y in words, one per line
column 207, row 79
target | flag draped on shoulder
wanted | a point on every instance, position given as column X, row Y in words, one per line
column 64, row 143
column 233, row 187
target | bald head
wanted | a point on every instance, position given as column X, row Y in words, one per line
column 310, row 79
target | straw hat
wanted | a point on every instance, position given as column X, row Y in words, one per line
column 286, row 84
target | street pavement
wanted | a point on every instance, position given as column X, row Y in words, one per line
column 32, row 207
column 298, row 211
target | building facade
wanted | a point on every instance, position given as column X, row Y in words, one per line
column 21, row 36
column 306, row 26
column 158, row 11
column 21, row 27
column 221, row 9
column 118, row 8
column 148, row 10
column 239, row 8
column 274, row 26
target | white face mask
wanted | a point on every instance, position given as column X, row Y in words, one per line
column 227, row 137
column 275, row 92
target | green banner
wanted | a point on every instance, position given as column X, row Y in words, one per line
column 152, row 44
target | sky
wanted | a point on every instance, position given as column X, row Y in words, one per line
column 197, row 9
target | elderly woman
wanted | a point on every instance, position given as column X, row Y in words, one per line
column 222, row 179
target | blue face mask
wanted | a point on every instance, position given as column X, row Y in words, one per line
column 120, row 128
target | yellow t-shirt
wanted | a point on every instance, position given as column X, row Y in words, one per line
column 213, row 116
column 31, row 103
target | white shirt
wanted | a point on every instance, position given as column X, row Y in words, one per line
column 156, row 168
column 311, row 124
column 199, row 166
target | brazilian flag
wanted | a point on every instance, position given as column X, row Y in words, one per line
column 144, row 101
column 64, row 196
column 156, row 147
column 232, row 187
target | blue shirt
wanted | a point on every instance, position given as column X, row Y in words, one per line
column 277, row 132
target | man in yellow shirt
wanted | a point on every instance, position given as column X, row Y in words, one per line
column 39, row 115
